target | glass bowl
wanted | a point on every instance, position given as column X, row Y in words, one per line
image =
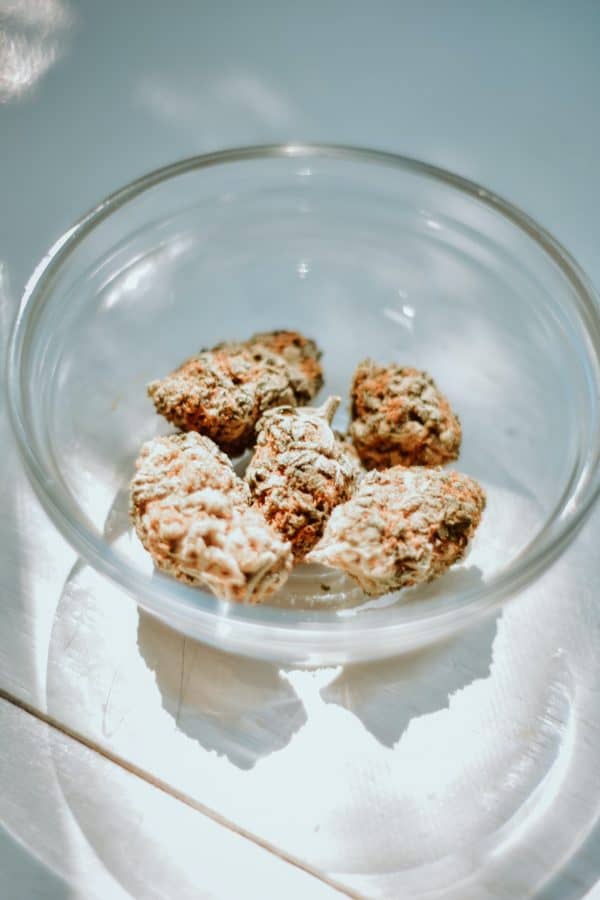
column 372, row 255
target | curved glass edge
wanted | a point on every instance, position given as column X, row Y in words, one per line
column 329, row 642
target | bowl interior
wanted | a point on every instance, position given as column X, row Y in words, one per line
column 370, row 259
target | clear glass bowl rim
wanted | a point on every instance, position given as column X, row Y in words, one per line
column 316, row 642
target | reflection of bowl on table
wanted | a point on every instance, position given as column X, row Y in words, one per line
column 370, row 254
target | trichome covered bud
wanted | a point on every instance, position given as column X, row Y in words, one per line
column 302, row 357
column 399, row 417
column 223, row 392
column 299, row 472
column 191, row 512
column 402, row 527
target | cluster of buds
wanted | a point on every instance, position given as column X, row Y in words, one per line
column 307, row 493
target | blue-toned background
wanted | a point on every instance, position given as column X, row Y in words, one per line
column 506, row 93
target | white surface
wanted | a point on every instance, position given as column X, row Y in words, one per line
column 404, row 778
column 506, row 94
column 74, row 825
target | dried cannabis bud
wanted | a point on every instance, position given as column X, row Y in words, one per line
column 402, row 527
column 223, row 392
column 302, row 357
column 299, row 472
column 191, row 512
column 401, row 418
column 350, row 453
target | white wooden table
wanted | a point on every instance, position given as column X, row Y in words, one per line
column 135, row 763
